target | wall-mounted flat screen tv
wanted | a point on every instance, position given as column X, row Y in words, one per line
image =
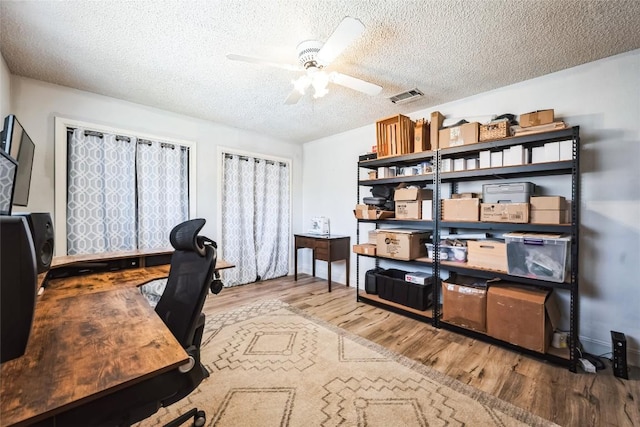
column 19, row 145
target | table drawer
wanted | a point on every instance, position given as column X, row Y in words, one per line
column 305, row 242
column 322, row 253
column 322, row 244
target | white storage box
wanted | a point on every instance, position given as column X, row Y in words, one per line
column 538, row 256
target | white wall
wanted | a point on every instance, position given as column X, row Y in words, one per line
column 5, row 89
column 603, row 98
column 36, row 104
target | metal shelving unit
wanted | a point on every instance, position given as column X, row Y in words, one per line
column 569, row 168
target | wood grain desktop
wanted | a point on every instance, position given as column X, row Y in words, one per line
column 91, row 335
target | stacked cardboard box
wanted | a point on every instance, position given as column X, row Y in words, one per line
column 548, row 210
column 408, row 202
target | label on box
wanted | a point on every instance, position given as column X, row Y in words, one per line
column 504, row 212
column 418, row 277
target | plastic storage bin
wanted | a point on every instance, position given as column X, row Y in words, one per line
column 538, row 256
column 449, row 253
column 392, row 287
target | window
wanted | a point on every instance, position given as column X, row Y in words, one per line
column 118, row 190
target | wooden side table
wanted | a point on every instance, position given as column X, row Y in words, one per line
column 327, row 248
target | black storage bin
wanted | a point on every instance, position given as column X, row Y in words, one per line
column 392, row 286
column 370, row 282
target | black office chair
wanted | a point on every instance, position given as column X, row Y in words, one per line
column 180, row 307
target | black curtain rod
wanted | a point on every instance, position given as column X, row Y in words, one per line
column 245, row 158
column 128, row 139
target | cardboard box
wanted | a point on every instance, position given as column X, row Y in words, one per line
column 548, row 216
column 538, row 255
column 464, row 302
column 465, row 134
column 401, row 243
column 465, row 196
column 412, row 193
column 521, row 315
column 434, row 126
column 421, row 136
column 505, row 212
column 372, row 213
column 536, row 118
column 409, row 202
column 365, row 249
column 409, row 209
column 419, row 277
column 548, row 203
column 487, row 254
column 372, row 236
column 461, row 209
column 373, row 175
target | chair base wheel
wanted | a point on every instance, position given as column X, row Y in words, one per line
column 199, row 419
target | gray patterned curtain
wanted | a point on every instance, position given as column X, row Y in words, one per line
column 255, row 219
column 101, row 195
column 123, row 193
column 163, row 191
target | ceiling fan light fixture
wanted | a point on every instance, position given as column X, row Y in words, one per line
column 301, row 84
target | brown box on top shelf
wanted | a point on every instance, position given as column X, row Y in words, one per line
column 464, row 302
column 456, row 136
column 548, row 203
column 421, row 136
column 536, row 118
column 487, row 254
column 401, row 244
column 493, row 131
column 522, row 315
column 394, row 136
column 505, row 212
column 434, row 126
column 463, row 209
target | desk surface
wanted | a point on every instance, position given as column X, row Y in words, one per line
column 320, row 236
column 79, row 348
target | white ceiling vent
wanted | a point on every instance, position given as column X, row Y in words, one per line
column 408, row 96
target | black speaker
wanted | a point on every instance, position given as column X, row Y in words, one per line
column 619, row 342
column 41, row 228
column 18, row 281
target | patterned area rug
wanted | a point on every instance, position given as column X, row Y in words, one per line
column 272, row 365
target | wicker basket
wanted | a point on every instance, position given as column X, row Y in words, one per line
column 496, row 130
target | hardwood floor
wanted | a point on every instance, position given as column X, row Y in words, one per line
column 549, row 391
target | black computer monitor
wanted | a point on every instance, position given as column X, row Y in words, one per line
column 17, row 143
column 8, row 169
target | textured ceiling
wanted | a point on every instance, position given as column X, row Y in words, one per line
column 171, row 54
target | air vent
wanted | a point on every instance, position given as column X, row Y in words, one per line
column 408, row 96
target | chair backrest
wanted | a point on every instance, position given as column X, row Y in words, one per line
column 192, row 268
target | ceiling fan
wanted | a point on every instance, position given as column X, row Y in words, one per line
column 314, row 56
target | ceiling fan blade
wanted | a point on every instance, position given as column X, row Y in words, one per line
column 293, row 97
column 355, row 83
column 262, row 61
column 345, row 33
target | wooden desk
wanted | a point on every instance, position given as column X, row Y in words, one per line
column 325, row 248
column 91, row 335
